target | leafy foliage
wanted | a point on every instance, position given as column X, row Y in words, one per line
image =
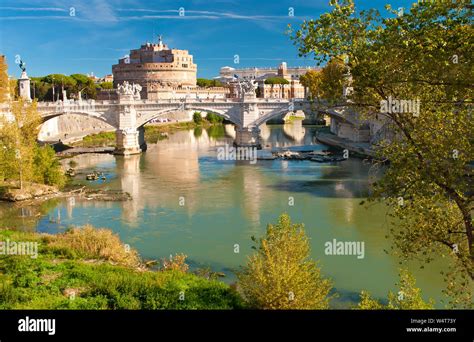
column 408, row 297
column 47, row 169
column 4, row 82
column 73, row 84
column 276, row 80
column 326, row 83
column 197, row 118
column 214, row 118
column 205, row 83
column 57, row 280
column 89, row 242
column 423, row 54
column 280, row 274
column 176, row 263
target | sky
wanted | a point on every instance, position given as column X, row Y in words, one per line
column 89, row 36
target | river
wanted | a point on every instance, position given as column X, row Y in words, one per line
column 187, row 201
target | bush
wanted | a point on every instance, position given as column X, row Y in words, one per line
column 280, row 274
column 48, row 281
column 176, row 263
column 214, row 118
column 197, row 118
column 47, row 169
column 89, row 242
column 408, row 297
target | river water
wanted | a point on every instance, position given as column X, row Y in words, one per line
column 187, row 201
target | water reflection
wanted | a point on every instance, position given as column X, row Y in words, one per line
column 226, row 202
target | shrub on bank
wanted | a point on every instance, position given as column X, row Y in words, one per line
column 214, row 118
column 92, row 243
column 197, row 118
column 280, row 274
column 47, row 169
column 64, row 276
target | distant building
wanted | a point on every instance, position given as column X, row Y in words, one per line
column 108, row 78
column 294, row 89
column 227, row 73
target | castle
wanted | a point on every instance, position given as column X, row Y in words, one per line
column 162, row 72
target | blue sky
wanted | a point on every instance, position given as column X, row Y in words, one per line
column 49, row 40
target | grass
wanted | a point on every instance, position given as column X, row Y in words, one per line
column 91, row 243
column 294, row 118
column 102, row 139
column 91, row 269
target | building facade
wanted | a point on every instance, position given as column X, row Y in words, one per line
column 227, row 73
column 163, row 73
column 293, row 89
column 156, row 66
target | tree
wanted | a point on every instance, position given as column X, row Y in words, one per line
column 106, row 85
column 59, row 82
column 205, row 83
column 333, row 79
column 20, row 156
column 312, row 80
column 423, row 54
column 197, row 118
column 4, row 82
column 276, row 80
column 214, row 118
column 85, row 85
column 18, row 141
column 408, row 297
column 280, row 274
column 326, row 83
column 47, row 169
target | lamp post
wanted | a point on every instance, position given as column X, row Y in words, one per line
column 53, row 86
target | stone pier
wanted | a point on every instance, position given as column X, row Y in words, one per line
column 127, row 135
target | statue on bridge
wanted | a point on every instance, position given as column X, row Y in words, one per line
column 246, row 88
column 22, row 66
column 129, row 89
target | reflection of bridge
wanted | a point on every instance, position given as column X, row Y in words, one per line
column 128, row 115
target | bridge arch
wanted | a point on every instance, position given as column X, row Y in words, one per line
column 144, row 119
column 76, row 127
column 109, row 119
column 272, row 114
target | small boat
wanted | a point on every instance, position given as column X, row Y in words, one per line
column 92, row 176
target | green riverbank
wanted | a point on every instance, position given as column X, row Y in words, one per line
column 92, row 269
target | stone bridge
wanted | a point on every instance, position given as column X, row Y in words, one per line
column 129, row 114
